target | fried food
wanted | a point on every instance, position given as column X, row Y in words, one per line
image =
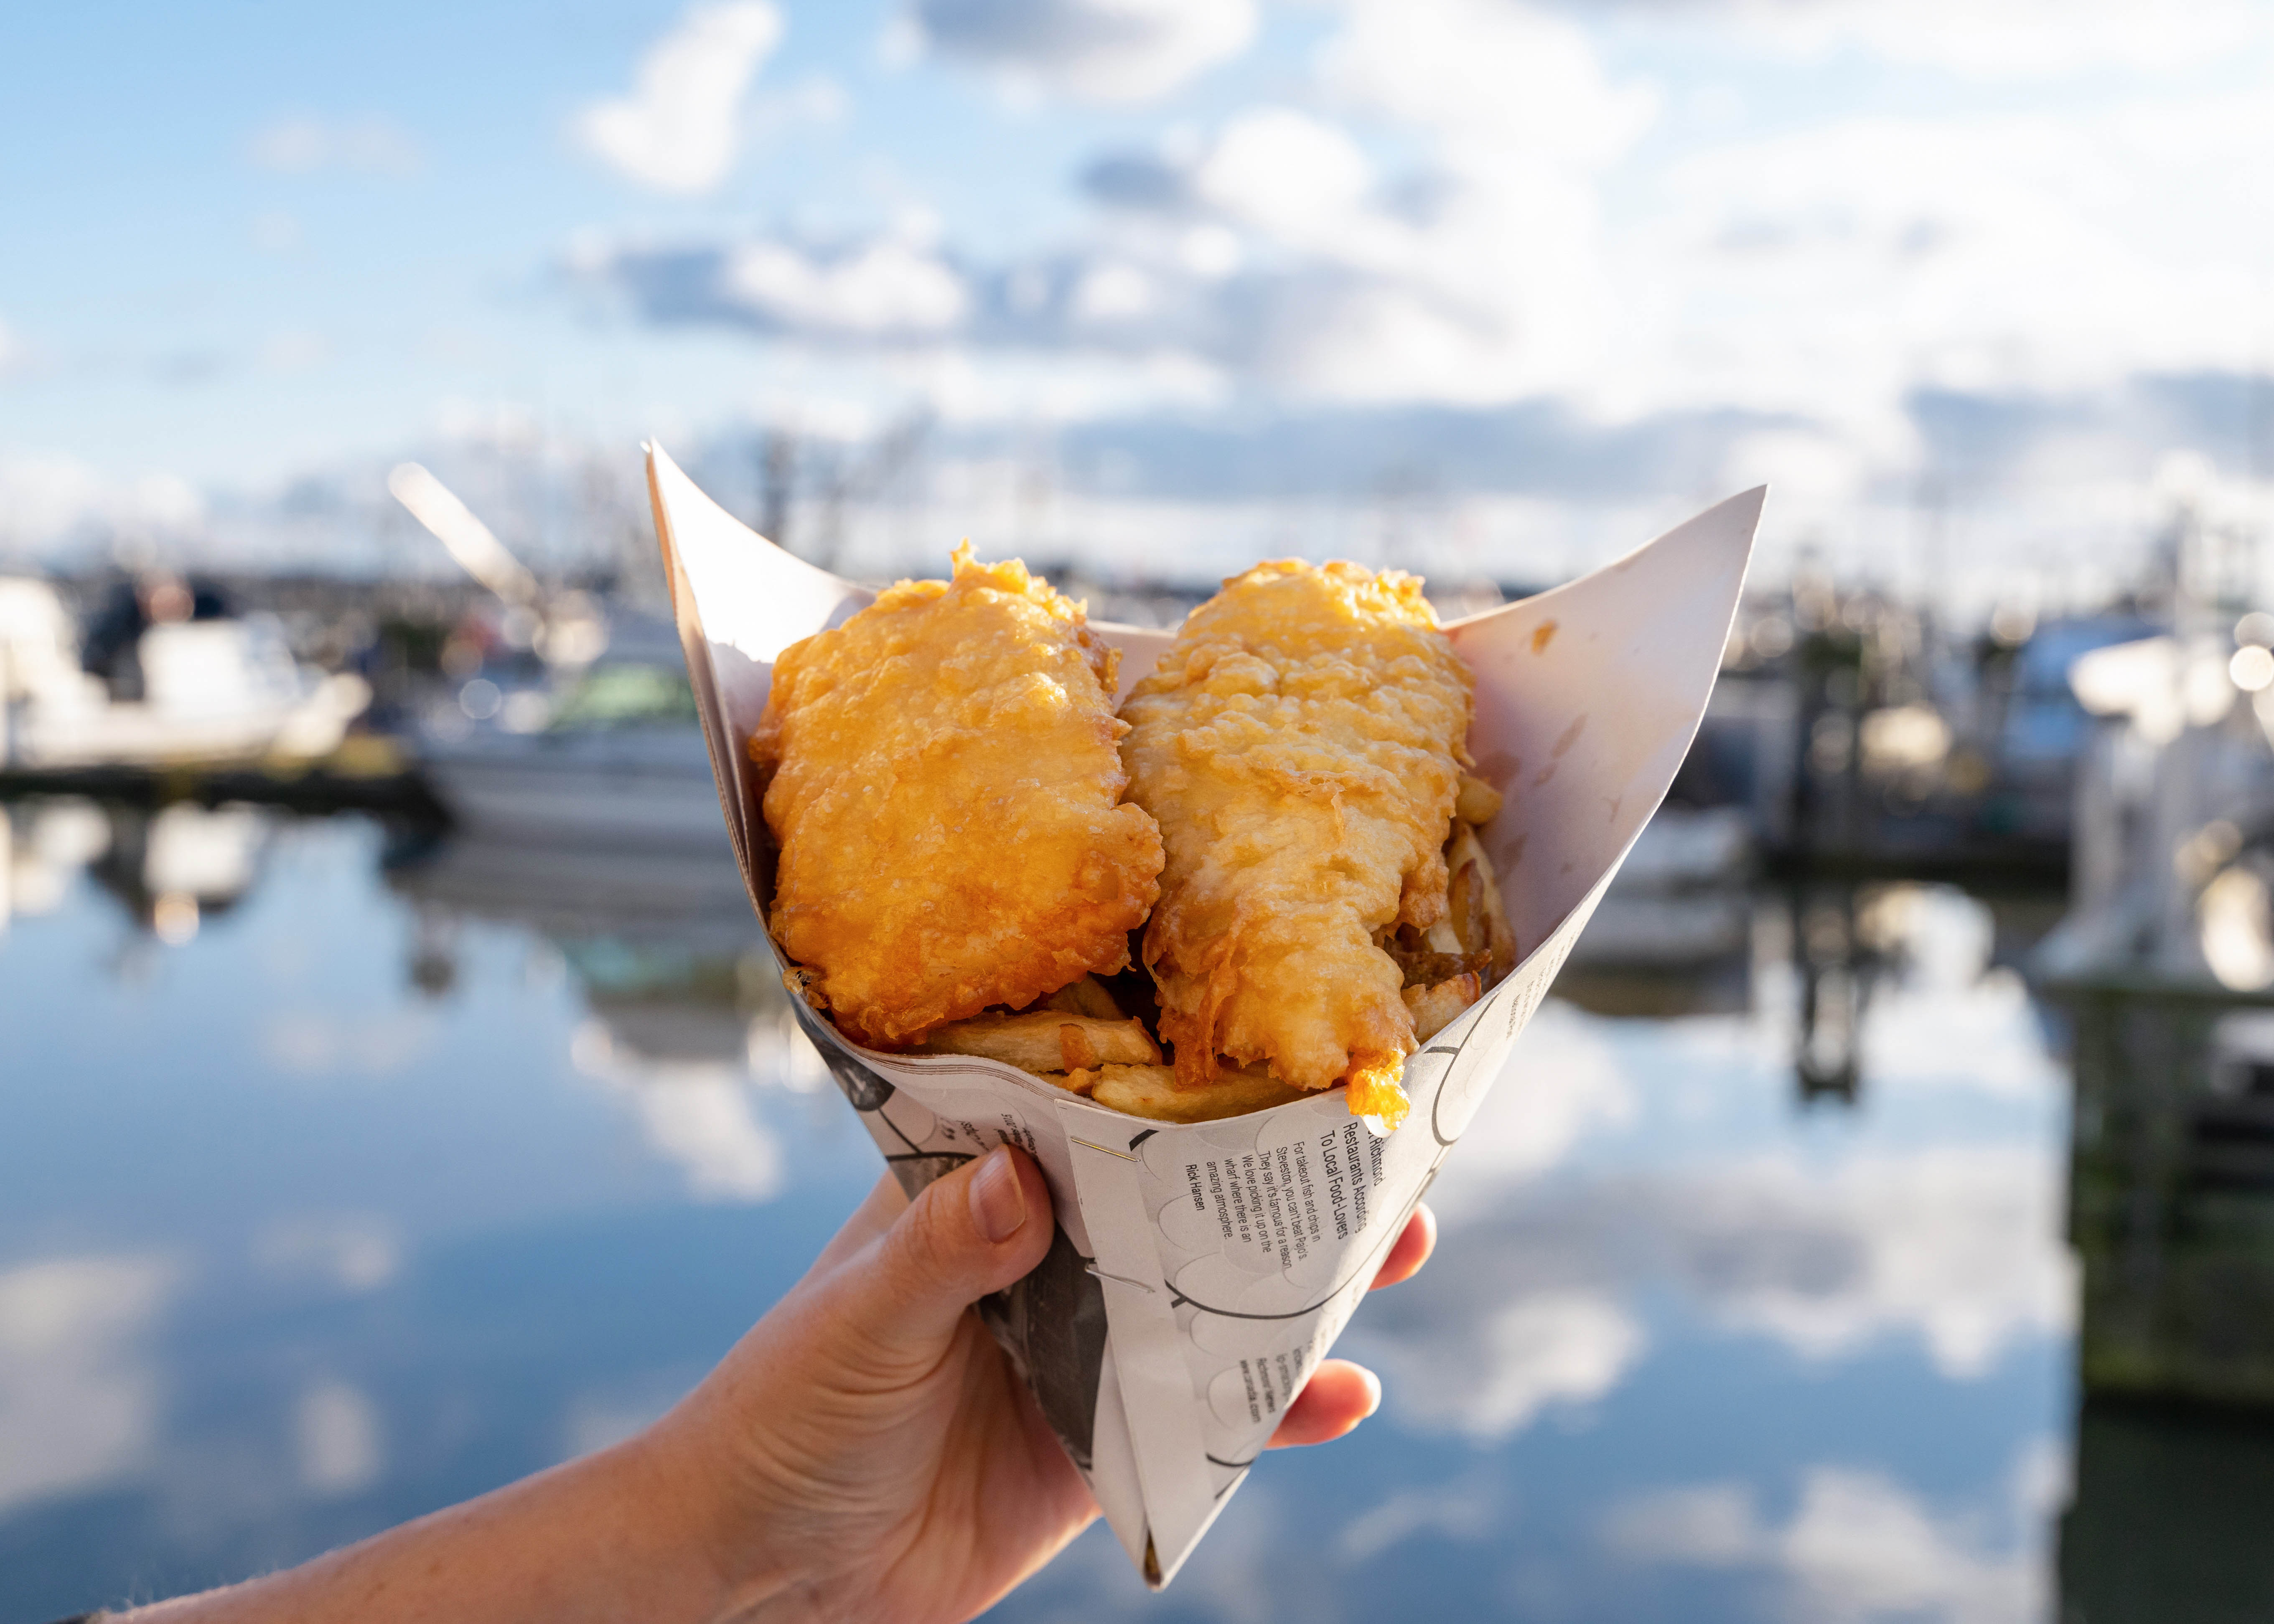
column 1153, row 1091
column 1478, row 915
column 1301, row 745
column 1045, row 1040
column 1085, row 997
column 1478, row 802
column 1435, row 1008
column 942, row 779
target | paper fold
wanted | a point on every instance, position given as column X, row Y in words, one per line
column 1200, row 1272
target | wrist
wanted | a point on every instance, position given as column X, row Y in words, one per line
column 735, row 1536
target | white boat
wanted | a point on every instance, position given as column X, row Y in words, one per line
column 213, row 692
column 615, row 757
column 2169, row 888
column 608, row 753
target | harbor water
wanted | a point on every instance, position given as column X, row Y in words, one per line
column 353, row 1169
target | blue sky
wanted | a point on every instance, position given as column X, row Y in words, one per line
column 1561, row 269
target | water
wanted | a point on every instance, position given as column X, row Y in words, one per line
column 346, row 1176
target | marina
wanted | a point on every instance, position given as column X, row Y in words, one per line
column 1836, row 1038
column 1916, row 1065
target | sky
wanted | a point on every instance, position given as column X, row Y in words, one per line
column 1980, row 287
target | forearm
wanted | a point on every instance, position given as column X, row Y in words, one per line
column 616, row 1536
column 864, row 1453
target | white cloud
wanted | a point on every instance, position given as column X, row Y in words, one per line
column 680, row 128
column 42, row 498
column 697, row 1114
column 301, row 145
column 708, row 1128
column 1511, row 77
column 156, row 502
column 1285, row 173
column 80, row 1404
column 342, row 1446
column 355, row 1253
column 1857, row 1549
column 49, row 500
column 1958, row 1245
column 1462, row 206
column 1475, row 278
column 1464, row 1510
column 892, row 289
column 1833, row 269
column 1956, row 1249
column 1558, row 1347
column 882, row 288
column 2003, row 39
column 1113, row 291
column 1099, row 50
column 323, row 1045
column 1709, row 1523
column 971, row 390
column 1950, row 1020
column 1272, row 248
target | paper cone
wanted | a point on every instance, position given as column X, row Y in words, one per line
column 1200, row 1272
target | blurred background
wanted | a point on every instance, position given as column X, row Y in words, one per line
column 395, row 1092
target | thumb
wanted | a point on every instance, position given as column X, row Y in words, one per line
column 972, row 1232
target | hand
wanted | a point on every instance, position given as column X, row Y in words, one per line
column 863, row 1453
column 872, row 1454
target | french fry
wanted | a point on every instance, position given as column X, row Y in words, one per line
column 1464, row 853
column 1072, row 1082
column 1151, row 1091
column 1041, row 1041
column 1465, row 907
column 1434, row 1008
column 1087, row 996
column 1476, row 802
column 1076, row 1052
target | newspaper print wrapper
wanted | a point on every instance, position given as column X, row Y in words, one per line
column 1200, row 1272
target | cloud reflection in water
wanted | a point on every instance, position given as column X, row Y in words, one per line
column 605, row 1151
column 80, row 1399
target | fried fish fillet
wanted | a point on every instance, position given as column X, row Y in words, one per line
column 941, row 776
column 1301, row 743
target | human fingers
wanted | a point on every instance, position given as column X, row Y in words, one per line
column 1409, row 1250
column 1338, row 1397
column 875, row 1214
column 974, row 1232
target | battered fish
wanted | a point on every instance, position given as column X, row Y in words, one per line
column 942, row 778
column 1300, row 744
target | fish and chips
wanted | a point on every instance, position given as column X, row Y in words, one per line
column 969, row 835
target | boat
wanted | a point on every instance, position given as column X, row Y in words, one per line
column 605, row 750
column 206, row 690
column 2174, row 821
column 609, row 753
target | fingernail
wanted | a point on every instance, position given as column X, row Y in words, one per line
column 1373, row 1390
column 998, row 1201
